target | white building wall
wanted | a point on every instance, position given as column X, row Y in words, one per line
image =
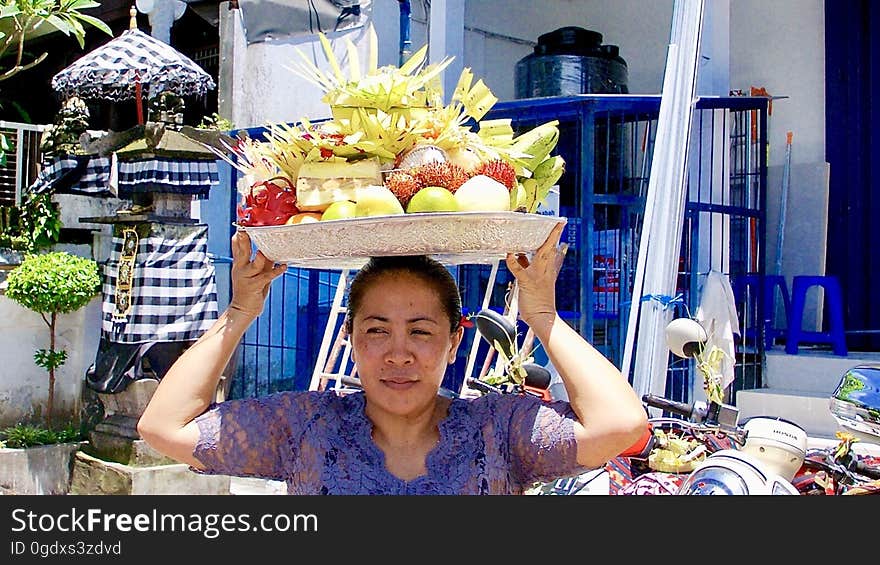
column 780, row 45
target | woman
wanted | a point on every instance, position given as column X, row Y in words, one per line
column 398, row 436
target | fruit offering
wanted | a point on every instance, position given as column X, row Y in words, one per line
column 390, row 138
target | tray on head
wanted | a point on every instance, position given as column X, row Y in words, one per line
column 453, row 238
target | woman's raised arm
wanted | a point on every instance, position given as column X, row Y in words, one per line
column 611, row 416
column 190, row 385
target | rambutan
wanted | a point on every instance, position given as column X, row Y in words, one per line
column 500, row 170
column 403, row 185
column 448, row 175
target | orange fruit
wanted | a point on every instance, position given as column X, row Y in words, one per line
column 304, row 218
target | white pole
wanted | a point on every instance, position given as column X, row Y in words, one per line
column 660, row 241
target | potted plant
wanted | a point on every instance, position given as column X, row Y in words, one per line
column 37, row 458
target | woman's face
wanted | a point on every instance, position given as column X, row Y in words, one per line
column 401, row 343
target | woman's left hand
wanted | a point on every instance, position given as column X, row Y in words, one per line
column 536, row 277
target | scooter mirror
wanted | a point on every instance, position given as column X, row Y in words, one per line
column 855, row 402
column 685, row 337
column 537, row 376
column 495, row 328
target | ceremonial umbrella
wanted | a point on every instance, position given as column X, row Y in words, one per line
column 128, row 65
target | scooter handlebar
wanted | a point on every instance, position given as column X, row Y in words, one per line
column 483, row 387
column 681, row 408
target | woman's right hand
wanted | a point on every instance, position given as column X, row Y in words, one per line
column 536, row 277
column 251, row 278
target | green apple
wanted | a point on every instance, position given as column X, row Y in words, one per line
column 432, row 199
column 376, row 200
column 339, row 210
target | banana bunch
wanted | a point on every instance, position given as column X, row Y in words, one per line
column 530, row 192
column 531, row 148
column 536, row 169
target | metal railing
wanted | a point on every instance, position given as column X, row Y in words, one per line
column 23, row 161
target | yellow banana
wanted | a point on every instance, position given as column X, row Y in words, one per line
column 533, row 146
column 545, row 175
column 518, row 197
column 496, row 132
column 550, row 168
column 530, row 188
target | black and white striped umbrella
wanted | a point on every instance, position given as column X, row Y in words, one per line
column 114, row 70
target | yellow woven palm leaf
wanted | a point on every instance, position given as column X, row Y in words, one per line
column 373, row 45
column 331, row 57
column 415, row 61
column 354, row 62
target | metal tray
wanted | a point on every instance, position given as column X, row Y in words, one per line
column 451, row 237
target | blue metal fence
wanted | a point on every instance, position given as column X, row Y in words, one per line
column 607, row 142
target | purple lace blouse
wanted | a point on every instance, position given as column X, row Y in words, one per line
column 321, row 443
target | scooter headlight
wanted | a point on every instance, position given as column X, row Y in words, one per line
column 714, row 481
column 733, row 472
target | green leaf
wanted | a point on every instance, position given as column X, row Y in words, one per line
column 373, row 56
column 82, row 4
column 95, row 22
column 50, row 360
column 354, row 62
column 414, row 61
column 59, row 24
column 9, row 11
column 331, row 58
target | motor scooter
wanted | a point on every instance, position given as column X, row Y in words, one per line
column 760, row 455
column 703, row 449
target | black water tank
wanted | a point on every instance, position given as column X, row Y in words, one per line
column 571, row 60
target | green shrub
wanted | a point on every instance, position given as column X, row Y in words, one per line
column 215, row 121
column 32, row 226
column 25, row 435
column 52, row 284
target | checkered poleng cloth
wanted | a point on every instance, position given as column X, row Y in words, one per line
column 74, row 174
column 178, row 176
column 173, row 294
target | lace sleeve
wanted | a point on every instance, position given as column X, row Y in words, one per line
column 541, row 439
column 246, row 437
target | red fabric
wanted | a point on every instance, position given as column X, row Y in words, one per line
column 655, row 483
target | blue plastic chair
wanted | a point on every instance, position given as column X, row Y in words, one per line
column 835, row 335
column 768, row 285
column 772, row 283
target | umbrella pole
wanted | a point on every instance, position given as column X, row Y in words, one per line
column 138, row 98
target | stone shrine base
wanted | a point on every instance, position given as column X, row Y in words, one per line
column 117, row 461
column 97, row 476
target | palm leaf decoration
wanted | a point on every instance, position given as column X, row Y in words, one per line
column 381, row 88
